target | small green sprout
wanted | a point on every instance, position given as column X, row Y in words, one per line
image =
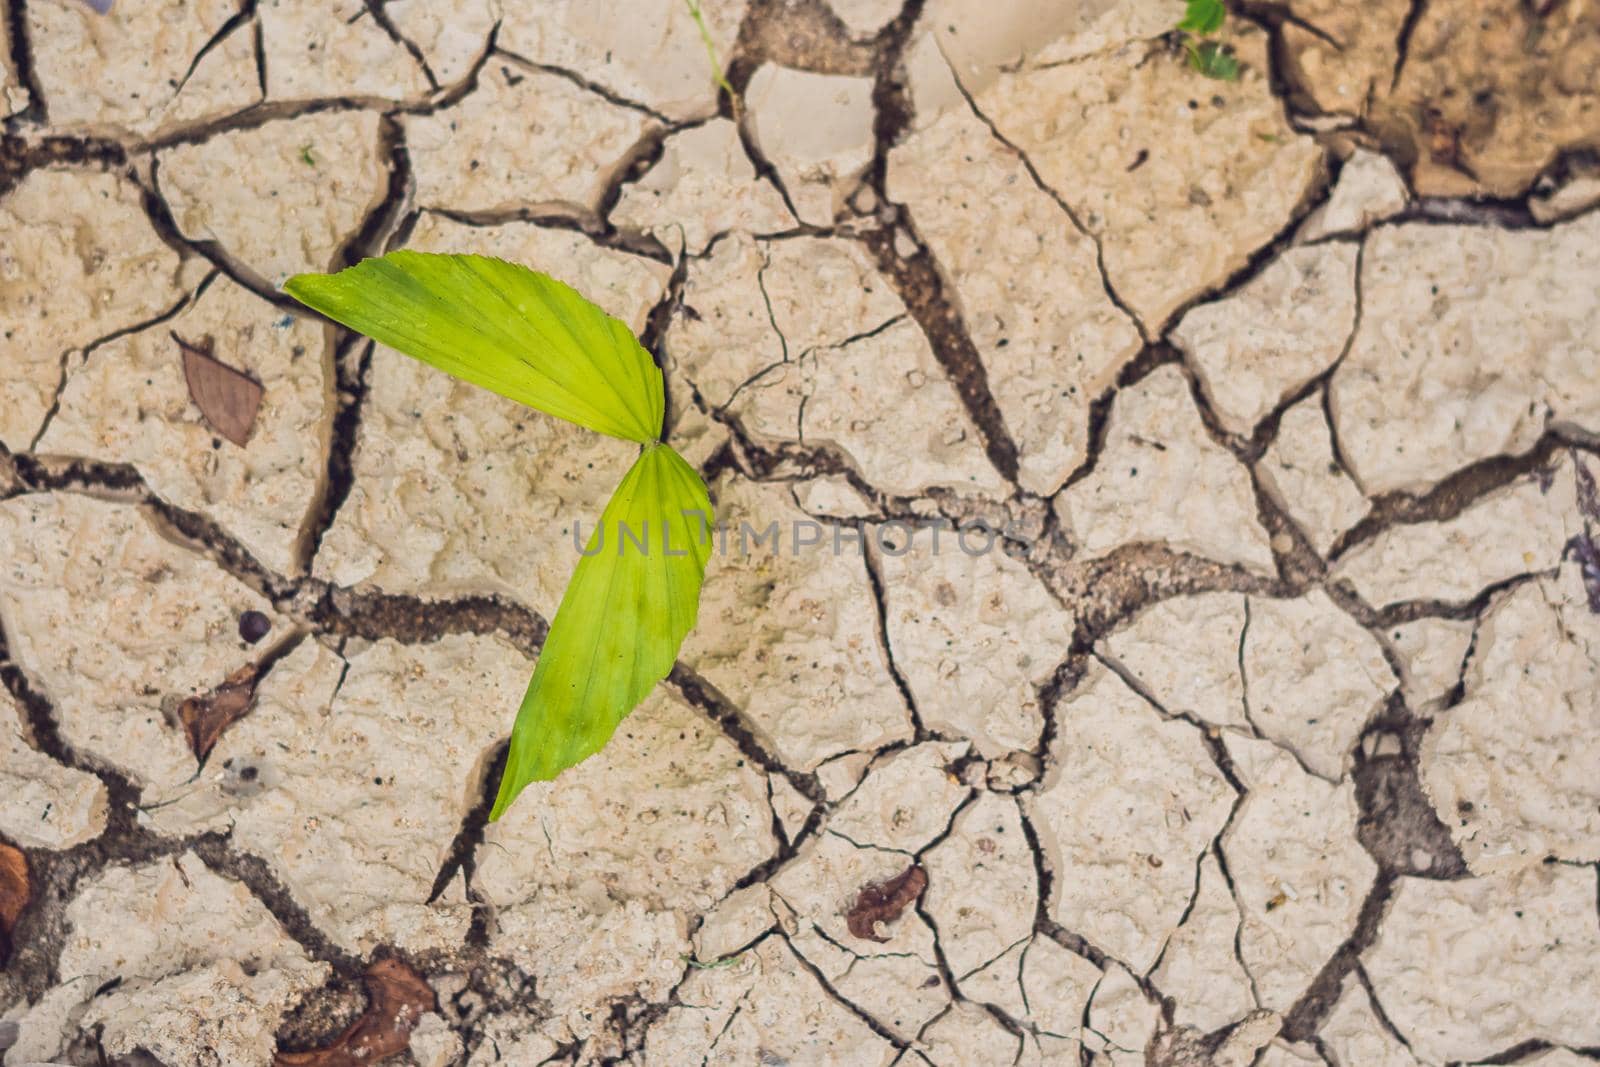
column 711, row 47
column 1202, row 18
column 635, row 593
column 306, row 157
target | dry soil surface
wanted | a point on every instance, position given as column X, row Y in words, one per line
column 1267, row 731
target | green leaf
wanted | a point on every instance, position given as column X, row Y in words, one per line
column 1214, row 61
column 512, row 330
column 1203, row 17
column 621, row 621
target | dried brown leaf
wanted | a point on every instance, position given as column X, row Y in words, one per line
column 14, row 894
column 1588, row 494
column 228, row 398
column 1583, row 547
column 396, row 998
column 206, row 716
column 882, row 902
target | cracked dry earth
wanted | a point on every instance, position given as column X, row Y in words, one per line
column 1269, row 734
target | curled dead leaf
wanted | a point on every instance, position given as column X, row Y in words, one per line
column 14, row 894
column 396, row 998
column 204, row 717
column 1588, row 493
column 228, row 398
column 1583, row 547
column 882, row 902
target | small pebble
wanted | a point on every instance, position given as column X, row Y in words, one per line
column 253, row 626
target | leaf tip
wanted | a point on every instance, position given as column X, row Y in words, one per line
column 299, row 285
column 512, row 783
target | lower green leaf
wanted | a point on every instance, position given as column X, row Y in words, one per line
column 1214, row 61
column 632, row 600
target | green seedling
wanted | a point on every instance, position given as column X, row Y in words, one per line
column 635, row 593
column 711, row 47
column 1202, row 18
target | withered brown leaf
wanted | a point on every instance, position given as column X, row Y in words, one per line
column 14, row 894
column 882, row 902
column 228, row 398
column 1583, row 546
column 396, row 998
column 1588, row 493
column 204, row 717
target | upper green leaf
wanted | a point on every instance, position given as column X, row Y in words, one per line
column 512, row 330
column 632, row 600
column 1203, row 17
